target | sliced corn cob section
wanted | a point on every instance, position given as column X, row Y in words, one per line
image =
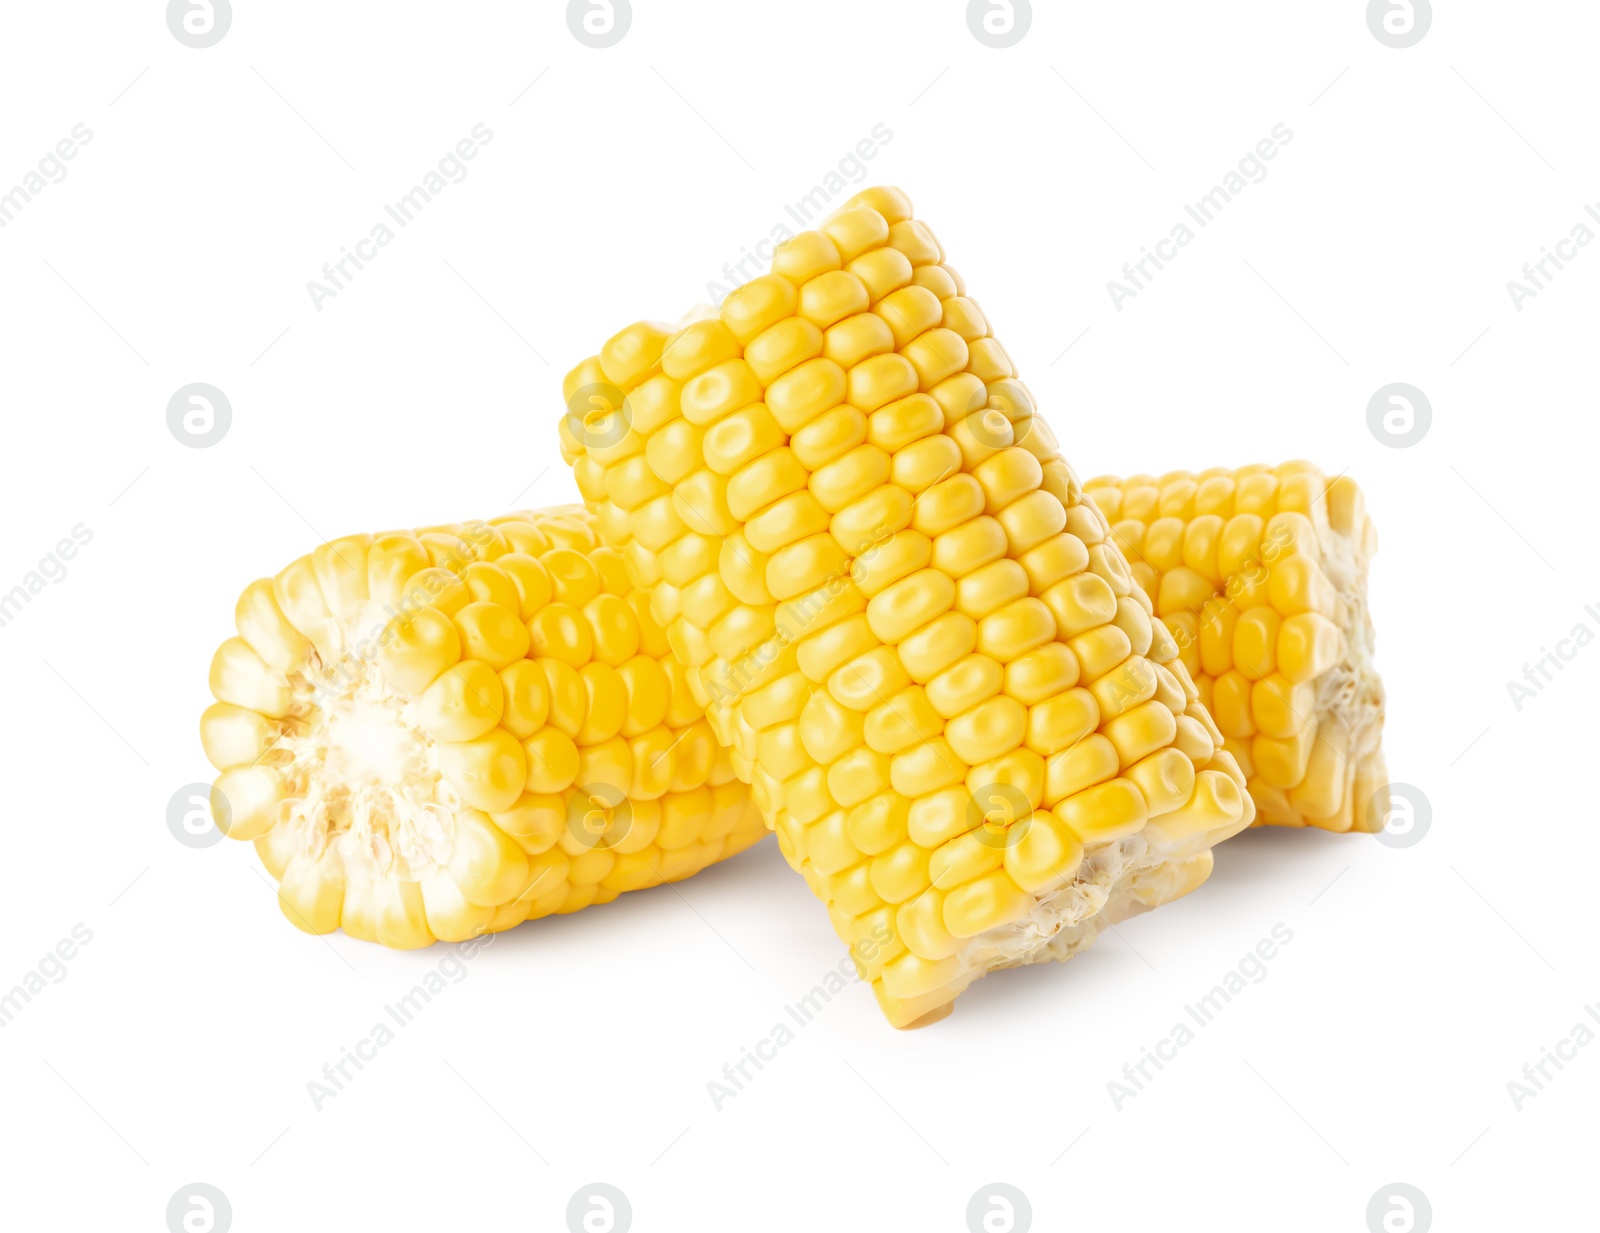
column 1261, row 575
column 438, row 733
column 935, row 668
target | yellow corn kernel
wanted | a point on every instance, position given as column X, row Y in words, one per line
column 920, row 922
column 1062, row 720
column 399, row 916
column 1165, row 779
column 1216, row 803
column 1195, row 739
column 1308, row 645
column 1281, row 762
column 966, row 857
column 1042, row 673
column 859, row 774
column 1126, row 686
column 1230, row 703
column 906, row 719
column 235, row 735
column 240, row 676
column 1106, row 811
column 1081, row 603
column 984, row 903
column 1281, row 709
column 988, row 729
column 247, row 801
column 829, row 731
column 1045, row 852
column 263, row 625
column 909, row 604
column 1326, row 785
column 878, row 824
column 1100, row 650
column 900, row 873
column 1255, row 643
column 463, row 704
column 1218, row 622
column 1016, row 629
column 828, row 846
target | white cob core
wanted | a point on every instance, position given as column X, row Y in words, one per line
column 363, row 775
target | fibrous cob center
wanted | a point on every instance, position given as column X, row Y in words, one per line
column 363, row 775
column 1350, row 694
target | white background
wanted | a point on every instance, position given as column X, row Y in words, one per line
column 177, row 249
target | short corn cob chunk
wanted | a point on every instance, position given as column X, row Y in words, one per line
column 1261, row 575
column 935, row 668
column 441, row 733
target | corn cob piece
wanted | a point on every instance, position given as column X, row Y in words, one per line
column 1261, row 575
column 440, row 733
column 934, row 666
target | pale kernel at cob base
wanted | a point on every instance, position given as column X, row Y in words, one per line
column 1261, row 574
column 933, row 665
column 436, row 734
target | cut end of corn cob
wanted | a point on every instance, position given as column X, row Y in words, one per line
column 933, row 664
column 1261, row 575
column 436, row 734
